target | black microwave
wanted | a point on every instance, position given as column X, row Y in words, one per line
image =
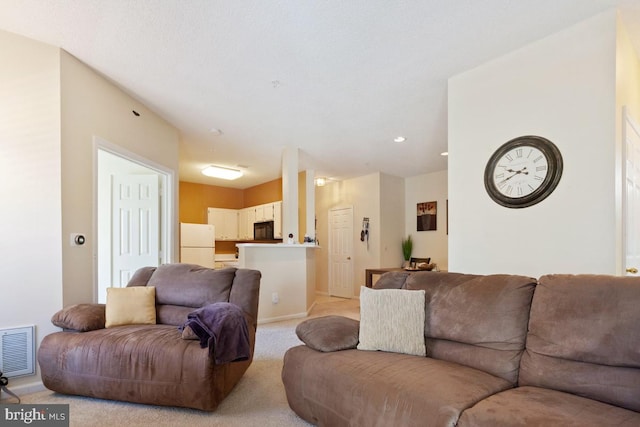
column 263, row 230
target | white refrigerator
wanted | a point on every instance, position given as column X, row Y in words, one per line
column 198, row 244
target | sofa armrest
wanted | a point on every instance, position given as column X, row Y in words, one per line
column 329, row 333
column 80, row 317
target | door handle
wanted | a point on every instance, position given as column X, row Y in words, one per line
column 348, row 258
column 632, row 270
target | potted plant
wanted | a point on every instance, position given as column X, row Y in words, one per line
column 407, row 248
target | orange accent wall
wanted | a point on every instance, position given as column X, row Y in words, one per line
column 264, row 193
column 196, row 198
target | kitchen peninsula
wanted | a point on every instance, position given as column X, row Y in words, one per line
column 288, row 284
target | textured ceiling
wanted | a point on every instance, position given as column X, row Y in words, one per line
column 337, row 79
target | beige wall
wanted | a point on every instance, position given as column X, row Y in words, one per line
column 627, row 74
column 377, row 196
column 563, row 88
column 92, row 106
column 30, row 218
column 627, row 96
column 392, row 220
column 433, row 244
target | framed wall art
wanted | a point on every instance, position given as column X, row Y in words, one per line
column 427, row 216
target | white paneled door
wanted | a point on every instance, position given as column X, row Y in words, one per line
column 136, row 214
column 631, row 194
column 341, row 252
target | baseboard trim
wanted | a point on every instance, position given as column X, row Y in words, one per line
column 281, row 318
column 21, row 390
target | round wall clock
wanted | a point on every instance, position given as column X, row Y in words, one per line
column 523, row 171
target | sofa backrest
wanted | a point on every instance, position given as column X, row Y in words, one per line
column 477, row 321
column 181, row 288
column 584, row 338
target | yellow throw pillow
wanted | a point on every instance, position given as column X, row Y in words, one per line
column 130, row 306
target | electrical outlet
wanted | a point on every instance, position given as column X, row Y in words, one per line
column 274, row 298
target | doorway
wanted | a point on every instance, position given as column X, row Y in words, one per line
column 341, row 252
column 133, row 215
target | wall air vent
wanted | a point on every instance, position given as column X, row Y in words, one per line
column 17, row 352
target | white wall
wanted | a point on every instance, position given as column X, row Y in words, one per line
column 30, row 218
column 562, row 88
column 434, row 244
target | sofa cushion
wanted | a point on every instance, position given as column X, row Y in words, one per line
column 477, row 321
column 392, row 320
column 191, row 285
column 365, row 388
column 138, row 363
column 543, row 407
column 329, row 333
column 583, row 338
column 80, row 317
column 130, row 306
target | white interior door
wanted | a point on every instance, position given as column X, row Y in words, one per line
column 136, row 221
column 631, row 194
column 341, row 252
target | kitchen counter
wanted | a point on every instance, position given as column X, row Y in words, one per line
column 280, row 245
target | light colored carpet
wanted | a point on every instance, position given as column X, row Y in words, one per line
column 257, row 400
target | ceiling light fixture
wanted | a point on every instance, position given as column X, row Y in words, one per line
column 320, row 182
column 223, row 173
column 399, row 139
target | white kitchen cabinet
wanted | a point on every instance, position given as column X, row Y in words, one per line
column 264, row 212
column 225, row 221
column 259, row 211
column 246, row 218
column 242, row 223
column 251, row 218
column 237, row 224
column 277, row 220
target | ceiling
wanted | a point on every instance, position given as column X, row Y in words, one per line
column 336, row 79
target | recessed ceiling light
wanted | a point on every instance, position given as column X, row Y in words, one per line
column 215, row 131
column 221, row 172
column 399, row 139
column 444, row 153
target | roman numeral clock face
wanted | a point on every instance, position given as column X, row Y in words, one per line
column 523, row 171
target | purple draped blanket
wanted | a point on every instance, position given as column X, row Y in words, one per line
column 223, row 328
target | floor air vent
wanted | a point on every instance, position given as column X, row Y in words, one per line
column 17, row 351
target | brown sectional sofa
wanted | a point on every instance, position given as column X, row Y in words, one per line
column 152, row 363
column 501, row 350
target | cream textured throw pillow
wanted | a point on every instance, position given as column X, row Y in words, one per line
column 130, row 306
column 392, row 320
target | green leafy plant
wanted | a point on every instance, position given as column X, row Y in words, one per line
column 407, row 247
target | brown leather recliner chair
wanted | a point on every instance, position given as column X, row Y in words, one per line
column 151, row 364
